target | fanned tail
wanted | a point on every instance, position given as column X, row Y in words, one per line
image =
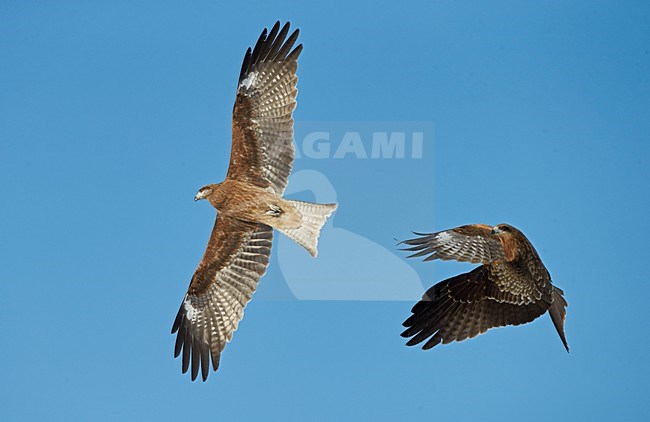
column 313, row 219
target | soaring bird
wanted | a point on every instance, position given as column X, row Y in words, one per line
column 249, row 204
column 511, row 287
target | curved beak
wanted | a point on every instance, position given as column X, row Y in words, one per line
column 202, row 194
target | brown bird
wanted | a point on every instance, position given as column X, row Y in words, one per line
column 249, row 204
column 512, row 286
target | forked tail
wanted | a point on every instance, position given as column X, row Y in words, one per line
column 313, row 219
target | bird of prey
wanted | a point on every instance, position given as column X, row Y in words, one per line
column 249, row 204
column 511, row 287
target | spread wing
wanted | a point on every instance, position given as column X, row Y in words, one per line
column 236, row 257
column 262, row 122
column 472, row 243
column 468, row 305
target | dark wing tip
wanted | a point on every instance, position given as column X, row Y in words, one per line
column 269, row 41
column 432, row 342
column 293, row 56
column 411, row 342
column 196, row 354
column 245, row 64
column 406, row 333
column 422, row 246
column 415, row 241
column 422, row 238
column 177, row 321
column 187, row 341
column 200, row 359
column 216, row 357
column 271, row 46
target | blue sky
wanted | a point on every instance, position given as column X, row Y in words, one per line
column 115, row 113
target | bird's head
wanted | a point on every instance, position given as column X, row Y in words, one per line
column 501, row 229
column 205, row 192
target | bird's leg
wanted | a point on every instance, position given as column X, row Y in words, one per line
column 274, row 210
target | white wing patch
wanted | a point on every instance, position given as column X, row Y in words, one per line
column 189, row 309
column 443, row 236
column 248, row 82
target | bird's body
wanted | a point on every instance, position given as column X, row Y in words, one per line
column 249, row 204
column 511, row 287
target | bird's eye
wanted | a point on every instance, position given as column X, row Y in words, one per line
column 504, row 228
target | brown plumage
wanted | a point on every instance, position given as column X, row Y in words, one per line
column 249, row 204
column 511, row 287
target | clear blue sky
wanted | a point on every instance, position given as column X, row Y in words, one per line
column 113, row 114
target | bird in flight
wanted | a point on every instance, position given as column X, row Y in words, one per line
column 511, row 287
column 249, row 204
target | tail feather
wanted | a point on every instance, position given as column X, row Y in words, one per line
column 558, row 314
column 313, row 219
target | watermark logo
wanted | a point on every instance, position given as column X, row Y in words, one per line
column 349, row 266
column 362, row 140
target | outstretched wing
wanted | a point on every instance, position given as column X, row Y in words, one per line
column 472, row 243
column 236, row 257
column 465, row 306
column 262, row 122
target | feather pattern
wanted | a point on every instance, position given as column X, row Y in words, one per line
column 471, row 243
column 262, row 125
column 236, row 257
column 512, row 287
column 249, row 204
